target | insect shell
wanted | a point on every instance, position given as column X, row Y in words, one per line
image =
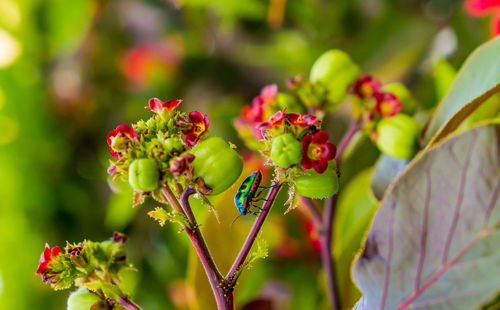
column 246, row 192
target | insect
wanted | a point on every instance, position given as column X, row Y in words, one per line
column 248, row 192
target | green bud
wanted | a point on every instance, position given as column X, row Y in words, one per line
column 397, row 136
column 315, row 185
column 403, row 95
column 286, row 150
column 173, row 144
column 336, row 71
column 82, row 299
column 144, row 175
column 217, row 163
column 284, row 100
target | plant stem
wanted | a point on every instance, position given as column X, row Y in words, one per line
column 325, row 226
column 252, row 235
column 312, row 211
column 326, row 250
column 127, row 303
column 223, row 297
column 354, row 127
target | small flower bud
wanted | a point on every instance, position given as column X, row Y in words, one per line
column 217, row 163
column 315, row 185
column 286, row 150
column 335, row 70
column 144, row 175
column 397, row 136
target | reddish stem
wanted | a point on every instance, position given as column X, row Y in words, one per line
column 252, row 235
column 325, row 225
column 223, row 298
column 128, row 304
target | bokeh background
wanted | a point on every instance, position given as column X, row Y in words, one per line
column 70, row 71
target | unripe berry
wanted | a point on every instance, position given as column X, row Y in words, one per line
column 315, row 185
column 217, row 163
column 397, row 136
column 144, row 175
column 336, row 71
column 286, row 150
column 82, row 299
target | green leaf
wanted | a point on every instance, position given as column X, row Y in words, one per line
column 433, row 241
column 161, row 215
column 477, row 80
column 386, row 170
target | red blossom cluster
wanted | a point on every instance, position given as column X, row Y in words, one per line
column 317, row 151
column 47, row 257
column 254, row 113
column 294, row 119
column 193, row 127
column 119, row 139
column 386, row 104
column 486, row 7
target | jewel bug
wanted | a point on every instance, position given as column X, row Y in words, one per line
column 248, row 192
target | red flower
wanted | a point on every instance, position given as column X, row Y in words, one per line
column 366, row 87
column 317, row 151
column 481, row 7
column 274, row 120
column 485, row 7
column 193, row 128
column 119, row 138
column 158, row 106
column 47, row 257
column 387, row 104
column 304, row 120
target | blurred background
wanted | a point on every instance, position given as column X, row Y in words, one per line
column 70, row 71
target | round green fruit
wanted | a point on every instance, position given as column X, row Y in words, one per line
column 336, row 71
column 143, row 175
column 82, row 299
column 397, row 136
column 286, row 150
column 315, row 185
column 217, row 163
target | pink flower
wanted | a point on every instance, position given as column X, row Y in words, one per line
column 181, row 164
column 47, row 257
column 119, row 139
column 302, row 120
column 485, row 7
column 317, row 151
column 274, row 120
column 194, row 127
column 387, row 104
column 268, row 93
column 366, row 87
column 158, row 106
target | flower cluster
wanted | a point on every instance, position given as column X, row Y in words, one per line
column 486, row 7
column 94, row 265
column 153, row 152
column 291, row 138
column 369, row 89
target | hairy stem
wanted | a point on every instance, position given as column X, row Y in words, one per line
column 252, row 235
column 127, row 303
column 223, row 297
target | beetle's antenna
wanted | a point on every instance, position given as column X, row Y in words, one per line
column 235, row 220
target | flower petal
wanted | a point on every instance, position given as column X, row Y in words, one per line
column 321, row 137
column 320, row 165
